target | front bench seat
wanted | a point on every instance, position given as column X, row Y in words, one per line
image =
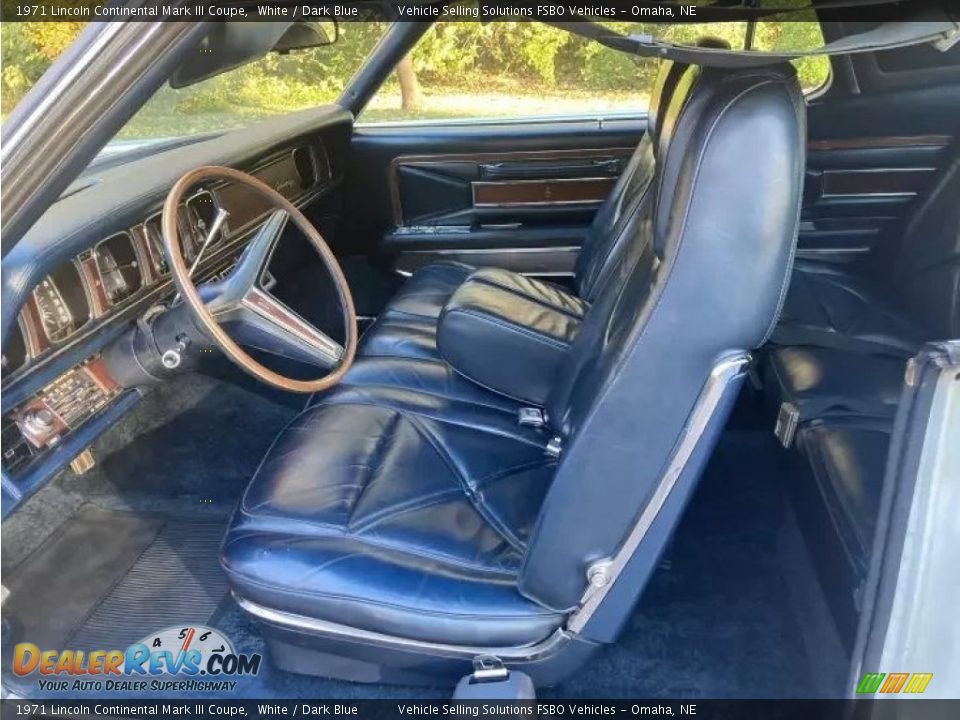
column 391, row 535
column 408, row 325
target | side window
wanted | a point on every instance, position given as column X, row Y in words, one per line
column 470, row 70
column 503, row 70
column 814, row 71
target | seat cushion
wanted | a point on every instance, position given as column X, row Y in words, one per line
column 832, row 307
column 821, row 382
column 398, row 512
column 433, row 378
column 408, row 326
column 426, row 291
column 399, row 335
column 848, row 457
column 509, row 336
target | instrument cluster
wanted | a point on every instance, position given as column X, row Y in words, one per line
column 129, row 268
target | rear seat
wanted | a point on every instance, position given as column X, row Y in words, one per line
column 834, row 370
column 846, row 457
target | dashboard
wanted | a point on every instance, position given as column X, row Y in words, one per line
column 55, row 386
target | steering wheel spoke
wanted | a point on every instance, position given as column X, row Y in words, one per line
column 262, row 321
column 238, row 302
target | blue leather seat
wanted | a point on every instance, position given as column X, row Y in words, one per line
column 408, row 325
column 846, row 457
column 407, row 521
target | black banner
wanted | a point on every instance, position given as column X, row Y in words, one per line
column 466, row 10
column 872, row 709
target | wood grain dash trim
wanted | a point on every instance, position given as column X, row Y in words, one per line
column 880, row 143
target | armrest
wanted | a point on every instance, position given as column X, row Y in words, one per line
column 509, row 334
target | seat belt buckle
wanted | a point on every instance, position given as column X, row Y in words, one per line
column 787, row 420
column 531, row 417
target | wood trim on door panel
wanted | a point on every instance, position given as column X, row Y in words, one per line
column 880, row 143
column 886, row 182
column 514, row 155
column 541, row 193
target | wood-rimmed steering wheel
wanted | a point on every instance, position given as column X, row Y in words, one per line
column 239, row 300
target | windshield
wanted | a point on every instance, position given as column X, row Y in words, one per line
column 273, row 85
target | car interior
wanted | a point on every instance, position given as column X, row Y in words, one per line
column 608, row 400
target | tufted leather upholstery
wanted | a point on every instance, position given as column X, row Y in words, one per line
column 380, row 507
column 407, row 506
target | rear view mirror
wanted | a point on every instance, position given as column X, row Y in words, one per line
column 232, row 44
column 302, row 35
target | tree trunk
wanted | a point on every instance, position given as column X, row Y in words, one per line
column 409, row 85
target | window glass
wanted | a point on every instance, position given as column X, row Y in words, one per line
column 273, row 85
column 462, row 70
column 813, row 72
column 276, row 84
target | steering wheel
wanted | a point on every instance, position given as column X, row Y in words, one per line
column 239, row 301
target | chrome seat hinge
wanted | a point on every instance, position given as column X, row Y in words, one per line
column 531, row 417
column 554, row 447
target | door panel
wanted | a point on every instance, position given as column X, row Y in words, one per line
column 517, row 195
column 870, row 158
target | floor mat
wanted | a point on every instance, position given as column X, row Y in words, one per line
column 107, row 578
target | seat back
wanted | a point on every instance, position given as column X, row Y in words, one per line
column 648, row 382
column 608, row 233
column 611, row 230
column 927, row 270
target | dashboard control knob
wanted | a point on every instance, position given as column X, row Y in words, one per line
column 170, row 359
column 39, row 420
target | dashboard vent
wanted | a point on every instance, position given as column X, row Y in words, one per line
column 306, row 167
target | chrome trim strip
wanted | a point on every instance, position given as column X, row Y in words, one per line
column 346, row 632
column 493, row 251
column 258, row 301
column 107, row 34
column 721, row 376
column 598, row 118
column 815, row 252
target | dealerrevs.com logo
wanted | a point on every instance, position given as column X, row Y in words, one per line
column 176, row 658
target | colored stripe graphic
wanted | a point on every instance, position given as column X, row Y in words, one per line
column 918, row 682
column 894, row 683
column 870, row 683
